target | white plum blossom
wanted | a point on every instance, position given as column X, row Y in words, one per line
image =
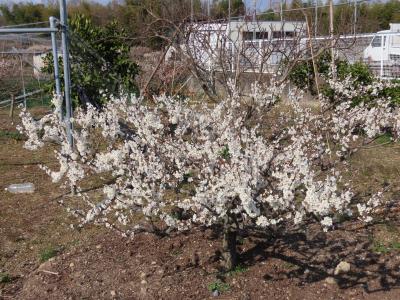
column 188, row 165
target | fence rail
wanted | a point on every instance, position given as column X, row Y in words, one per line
column 18, row 99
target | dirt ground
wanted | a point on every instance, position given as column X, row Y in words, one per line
column 42, row 257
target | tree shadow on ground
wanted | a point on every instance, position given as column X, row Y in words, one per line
column 313, row 255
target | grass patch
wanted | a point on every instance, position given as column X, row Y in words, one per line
column 5, row 278
column 381, row 248
column 48, row 253
column 218, row 286
column 384, row 139
column 237, row 270
column 289, row 266
column 14, row 135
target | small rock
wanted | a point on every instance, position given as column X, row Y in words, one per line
column 215, row 293
column 142, row 275
column 98, row 247
column 330, row 280
column 342, row 268
column 143, row 282
column 113, row 293
column 71, row 265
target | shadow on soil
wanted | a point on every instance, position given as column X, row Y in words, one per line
column 312, row 257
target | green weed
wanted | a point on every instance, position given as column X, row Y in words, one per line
column 218, row 286
column 48, row 253
column 5, row 278
column 381, row 248
column 289, row 266
column 237, row 270
column 14, row 135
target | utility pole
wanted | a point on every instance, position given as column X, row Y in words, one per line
column 331, row 37
column 229, row 11
column 229, row 19
column 355, row 16
column 254, row 19
column 191, row 11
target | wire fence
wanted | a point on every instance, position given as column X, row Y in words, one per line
column 21, row 75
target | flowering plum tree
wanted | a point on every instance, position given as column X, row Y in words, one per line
column 248, row 161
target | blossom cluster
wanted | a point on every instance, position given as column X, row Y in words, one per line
column 257, row 157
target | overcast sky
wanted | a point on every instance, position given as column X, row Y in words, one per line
column 261, row 4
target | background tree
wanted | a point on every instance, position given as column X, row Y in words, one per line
column 221, row 9
column 100, row 63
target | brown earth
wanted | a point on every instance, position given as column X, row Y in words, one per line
column 41, row 257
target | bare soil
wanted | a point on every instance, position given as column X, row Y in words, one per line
column 42, row 257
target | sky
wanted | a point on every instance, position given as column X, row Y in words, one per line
column 261, row 4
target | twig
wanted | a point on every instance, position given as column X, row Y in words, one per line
column 49, row 272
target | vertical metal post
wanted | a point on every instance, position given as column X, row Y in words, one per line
column 67, row 78
column 331, row 37
column 382, row 55
column 22, row 80
column 55, row 62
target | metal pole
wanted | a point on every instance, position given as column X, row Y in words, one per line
column 331, row 37
column 27, row 30
column 67, row 78
column 382, row 55
column 23, row 81
column 55, row 62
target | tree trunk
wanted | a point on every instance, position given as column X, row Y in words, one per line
column 229, row 252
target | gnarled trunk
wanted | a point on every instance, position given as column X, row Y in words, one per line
column 229, row 252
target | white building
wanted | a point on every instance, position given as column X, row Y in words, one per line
column 214, row 44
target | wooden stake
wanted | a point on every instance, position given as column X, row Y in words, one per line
column 315, row 68
column 12, row 107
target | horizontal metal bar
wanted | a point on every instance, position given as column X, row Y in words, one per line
column 28, row 30
column 22, row 96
